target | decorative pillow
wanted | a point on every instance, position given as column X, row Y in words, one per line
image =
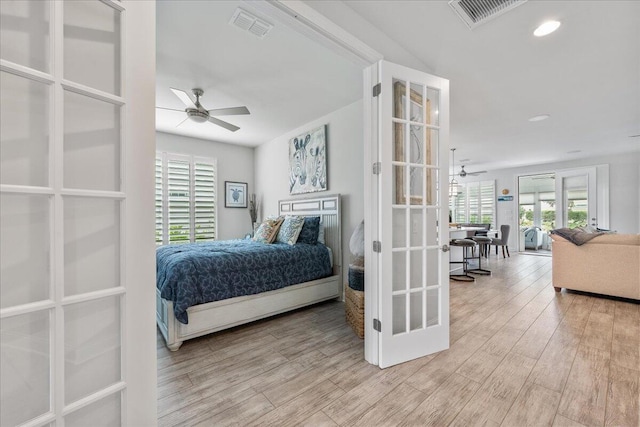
column 310, row 230
column 268, row 230
column 290, row 229
column 356, row 243
column 321, row 233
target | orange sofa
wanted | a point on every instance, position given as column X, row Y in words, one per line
column 608, row 264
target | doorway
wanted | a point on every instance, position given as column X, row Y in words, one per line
column 536, row 212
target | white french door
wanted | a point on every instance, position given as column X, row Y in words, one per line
column 577, row 196
column 412, row 223
column 76, row 179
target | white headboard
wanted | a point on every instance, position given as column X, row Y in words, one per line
column 328, row 209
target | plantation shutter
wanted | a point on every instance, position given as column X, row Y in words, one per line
column 185, row 199
column 474, row 203
column 461, row 206
column 159, row 198
column 179, row 201
column 487, row 202
column 205, row 200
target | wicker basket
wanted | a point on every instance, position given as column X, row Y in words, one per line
column 354, row 310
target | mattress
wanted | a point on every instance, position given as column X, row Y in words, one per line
column 198, row 273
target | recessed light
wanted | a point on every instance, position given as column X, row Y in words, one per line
column 539, row 118
column 546, row 28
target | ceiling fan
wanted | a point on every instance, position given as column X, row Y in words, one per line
column 196, row 112
column 463, row 172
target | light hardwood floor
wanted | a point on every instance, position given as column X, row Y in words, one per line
column 520, row 355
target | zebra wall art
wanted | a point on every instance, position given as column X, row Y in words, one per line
column 308, row 162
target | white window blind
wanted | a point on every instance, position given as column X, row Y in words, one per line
column 159, row 201
column 185, row 199
column 476, row 203
column 205, row 201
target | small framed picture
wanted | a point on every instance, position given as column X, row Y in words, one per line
column 235, row 194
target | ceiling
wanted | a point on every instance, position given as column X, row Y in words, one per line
column 586, row 75
column 284, row 79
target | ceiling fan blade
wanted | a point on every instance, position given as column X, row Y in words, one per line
column 182, row 121
column 476, row 172
column 223, row 124
column 232, row 111
column 184, row 97
column 170, row 109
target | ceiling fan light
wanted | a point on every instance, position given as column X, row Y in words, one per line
column 197, row 116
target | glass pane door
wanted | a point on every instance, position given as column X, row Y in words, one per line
column 61, row 203
column 576, row 189
column 413, row 210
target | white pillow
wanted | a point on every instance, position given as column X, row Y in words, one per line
column 356, row 244
column 321, row 233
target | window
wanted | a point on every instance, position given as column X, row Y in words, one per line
column 185, row 199
column 476, row 203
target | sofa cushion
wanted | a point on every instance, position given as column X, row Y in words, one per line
column 610, row 239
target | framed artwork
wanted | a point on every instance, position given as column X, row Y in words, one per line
column 419, row 142
column 308, row 161
column 235, row 194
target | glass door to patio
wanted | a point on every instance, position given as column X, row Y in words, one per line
column 537, row 212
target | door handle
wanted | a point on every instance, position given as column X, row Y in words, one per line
column 445, row 248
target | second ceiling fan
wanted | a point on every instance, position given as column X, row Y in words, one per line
column 196, row 112
column 463, row 172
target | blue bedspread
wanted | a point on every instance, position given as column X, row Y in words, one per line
column 191, row 274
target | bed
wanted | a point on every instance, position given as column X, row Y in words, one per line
column 231, row 311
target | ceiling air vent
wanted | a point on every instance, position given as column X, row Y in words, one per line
column 476, row 12
column 248, row 22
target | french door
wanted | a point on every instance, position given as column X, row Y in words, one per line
column 77, row 341
column 412, row 223
column 577, row 196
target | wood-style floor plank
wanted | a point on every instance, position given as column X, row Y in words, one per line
column 623, row 404
column 391, row 410
column 496, row 395
column 520, row 354
column 442, row 406
column 584, row 396
column 534, row 406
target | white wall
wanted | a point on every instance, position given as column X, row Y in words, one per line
column 235, row 163
column 624, row 197
column 345, row 173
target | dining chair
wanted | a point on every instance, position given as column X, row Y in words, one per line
column 503, row 240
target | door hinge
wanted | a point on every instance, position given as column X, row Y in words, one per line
column 377, row 325
column 377, row 168
column 377, row 89
column 377, row 246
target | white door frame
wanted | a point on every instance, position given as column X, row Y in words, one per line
column 316, row 26
column 140, row 248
